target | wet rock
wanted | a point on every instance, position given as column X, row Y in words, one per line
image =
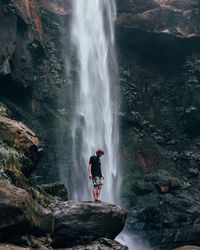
column 149, row 214
column 165, row 182
column 56, row 189
column 188, row 248
column 17, row 208
column 57, row 7
column 101, row 244
column 84, row 222
column 175, row 184
column 7, row 246
column 33, row 242
column 142, row 188
column 193, row 172
column 167, row 17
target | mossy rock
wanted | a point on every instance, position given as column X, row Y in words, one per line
column 41, row 197
column 11, row 164
column 56, row 189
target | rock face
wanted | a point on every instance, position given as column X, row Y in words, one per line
column 28, row 213
column 20, row 212
column 159, row 64
column 83, row 222
column 12, row 247
column 56, row 189
column 75, row 222
column 32, row 73
column 188, row 248
column 102, row 244
column 18, row 151
column 176, row 18
column 159, row 72
column 13, row 132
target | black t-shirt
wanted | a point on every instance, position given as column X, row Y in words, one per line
column 95, row 166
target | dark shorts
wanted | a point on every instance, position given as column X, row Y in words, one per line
column 97, row 181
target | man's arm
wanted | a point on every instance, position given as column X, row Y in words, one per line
column 89, row 171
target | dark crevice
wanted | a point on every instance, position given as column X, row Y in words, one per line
column 12, row 91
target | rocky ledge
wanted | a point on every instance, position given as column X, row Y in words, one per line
column 83, row 222
column 39, row 216
column 176, row 18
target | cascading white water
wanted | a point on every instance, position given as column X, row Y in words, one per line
column 95, row 123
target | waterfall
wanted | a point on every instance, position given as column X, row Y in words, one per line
column 95, row 123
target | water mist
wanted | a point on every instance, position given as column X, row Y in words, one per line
column 95, row 123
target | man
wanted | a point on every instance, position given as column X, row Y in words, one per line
column 94, row 171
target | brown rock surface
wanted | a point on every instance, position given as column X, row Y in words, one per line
column 17, row 208
column 188, row 248
column 102, row 244
column 30, row 13
column 84, row 222
column 177, row 18
column 17, row 133
column 5, row 246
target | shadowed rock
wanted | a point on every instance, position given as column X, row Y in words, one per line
column 102, row 244
column 56, row 189
column 84, row 222
column 19, row 212
column 176, row 18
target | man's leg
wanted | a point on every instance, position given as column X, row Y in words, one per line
column 98, row 191
column 95, row 192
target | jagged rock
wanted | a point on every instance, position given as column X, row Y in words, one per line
column 17, row 208
column 177, row 18
column 5, row 246
column 165, row 182
column 149, row 214
column 56, row 189
column 101, row 244
column 34, row 242
column 57, row 7
column 84, row 222
column 22, row 146
column 193, row 172
column 13, row 132
column 142, row 188
column 188, row 248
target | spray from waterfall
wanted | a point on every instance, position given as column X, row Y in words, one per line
column 95, row 121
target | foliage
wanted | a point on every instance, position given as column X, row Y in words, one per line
column 41, row 197
column 3, row 109
column 9, row 156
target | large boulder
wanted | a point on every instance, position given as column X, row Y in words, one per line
column 17, row 208
column 84, row 222
column 101, row 244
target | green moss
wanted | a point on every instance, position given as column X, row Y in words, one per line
column 10, row 164
column 3, row 109
column 42, row 198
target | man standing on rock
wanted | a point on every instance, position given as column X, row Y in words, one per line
column 94, row 171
